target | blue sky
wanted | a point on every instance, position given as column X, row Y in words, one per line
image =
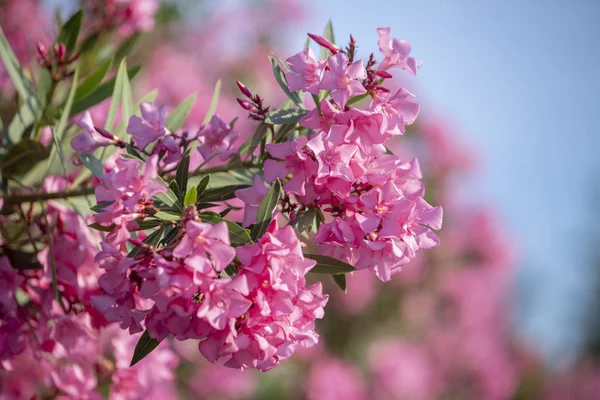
column 519, row 80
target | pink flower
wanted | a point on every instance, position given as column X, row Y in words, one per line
column 402, row 371
column 342, row 79
column 395, row 52
column 217, row 381
column 150, row 127
column 306, row 73
column 206, row 248
column 90, row 139
column 251, row 197
column 137, row 15
column 397, row 111
column 216, row 138
column 334, row 379
column 295, row 159
column 334, row 156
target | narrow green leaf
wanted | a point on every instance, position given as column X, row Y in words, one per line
column 29, row 113
column 182, row 175
column 152, row 239
column 126, row 47
column 237, row 235
column 280, row 78
column 102, row 228
column 177, row 117
column 253, row 141
column 305, row 220
column 356, row 99
column 62, row 123
column 44, row 84
column 220, row 194
column 116, row 96
column 168, row 197
column 190, row 197
column 22, row 259
column 202, row 185
column 165, row 216
column 70, row 31
column 92, row 82
column 327, row 34
column 22, row 157
column 93, row 164
column 127, row 109
column 286, row 116
column 213, row 103
column 102, row 92
column 144, row 346
column 328, row 265
column 340, row 280
column 264, row 214
column 17, row 75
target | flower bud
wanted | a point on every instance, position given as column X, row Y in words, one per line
column 245, row 91
column 321, row 41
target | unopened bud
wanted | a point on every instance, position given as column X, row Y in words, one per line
column 321, row 41
column 245, row 91
column 246, row 105
column 105, row 133
column 59, row 51
column 41, row 49
column 384, row 74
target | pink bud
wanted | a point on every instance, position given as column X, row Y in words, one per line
column 384, row 74
column 246, row 105
column 245, row 91
column 41, row 50
column 104, row 133
column 324, row 43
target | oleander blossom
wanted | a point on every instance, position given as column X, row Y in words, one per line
column 379, row 219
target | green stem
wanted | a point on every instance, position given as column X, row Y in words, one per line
column 33, row 197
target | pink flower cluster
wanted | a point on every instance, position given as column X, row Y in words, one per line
column 216, row 138
column 64, row 348
column 253, row 317
column 378, row 217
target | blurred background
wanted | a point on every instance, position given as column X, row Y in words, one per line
column 506, row 307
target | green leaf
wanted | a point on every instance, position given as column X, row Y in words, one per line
column 213, row 103
column 127, row 109
column 168, row 197
column 62, row 123
column 286, row 116
column 17, row 74
column 327, row 34
column 182, row 175
column 44, row 84
column 328, row 265
column 126, row 47
column 358, row 98
column 22, row 259
column 221, row 193
column 237, row 235
column 253, row 141
column 202, row 206
column 202, row 185
column 264, row 214
column 152, row 239
column 29, row 113
column 165, row 216
column 340, row 280
column 190, row 197
column 280, row 78
column 93, row 164
column 102, row 228
column 177, row 117
column 144, row 346
column 92, row 82
column 70, row 31
column 116, row 96
column 22, row 157
column 102, row 92
column 305, row 220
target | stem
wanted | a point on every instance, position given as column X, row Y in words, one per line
column 33, row 197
